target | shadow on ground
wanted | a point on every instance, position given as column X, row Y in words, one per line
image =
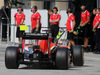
column 50, row 67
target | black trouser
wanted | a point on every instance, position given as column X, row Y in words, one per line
column 54, row 31
column 85, row 31
column 92, row 39
column 34, row 30
column 98, row 39
column 70, row 36
column 19, row 33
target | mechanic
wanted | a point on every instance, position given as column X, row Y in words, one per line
column 35, row 20
column 54, row 20
column 70, row 28
column 97, row 27
column 19, row 20
column 94, row 31
column 85, row 24
column 50, row 12
column 96, row 15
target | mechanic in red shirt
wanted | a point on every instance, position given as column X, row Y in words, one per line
column 70, row 28
column 50, row 12
column 94, row 31
column 54, row 20
column 97, row 27
column 85, row 24
column 19, row 20
column 35, row 20
column 96, row 16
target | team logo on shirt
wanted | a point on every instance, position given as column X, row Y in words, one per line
column 18, row 16
column 38, row 16
column 84, row 15
column 72, row 17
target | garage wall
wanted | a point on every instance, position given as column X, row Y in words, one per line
column 39, row 4
column 61, row 5
column 1, row 3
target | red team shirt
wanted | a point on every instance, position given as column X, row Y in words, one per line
column 99, row 21
column 34, row 18
column 84, row 16
column 55, row 17
column 19, row 18
column 95, row 20
column 69, row 22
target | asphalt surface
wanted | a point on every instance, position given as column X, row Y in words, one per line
column 91, row 67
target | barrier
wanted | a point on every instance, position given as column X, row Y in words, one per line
column 12, row 40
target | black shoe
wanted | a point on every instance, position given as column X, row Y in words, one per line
column 86, row 49
column 94, row 51
column 97, row 52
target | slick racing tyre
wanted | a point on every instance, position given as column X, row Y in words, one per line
column 11, row 58
column 62, row 58
column 77, row 55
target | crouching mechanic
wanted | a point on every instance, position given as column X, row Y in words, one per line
column 35, row 20
column 70, row 28
column 97, row 28
column 19, row 19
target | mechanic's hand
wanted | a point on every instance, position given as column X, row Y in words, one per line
column 84, row 24
column 94, row 30
column 18, row 25
column 75, row 33
column 36, row 31
column 71, row 31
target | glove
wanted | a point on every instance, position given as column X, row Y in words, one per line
column 71, row 31
column 75, row 33
column 84, row 24
column 94, row 30
column 36, row 31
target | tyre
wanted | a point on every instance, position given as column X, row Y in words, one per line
column 11, row 58
column 77, row 55
column 62, row 58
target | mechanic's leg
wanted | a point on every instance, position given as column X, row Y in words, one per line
column 56, row 32
column 86, row 49
column 98, row 45
column 72, row 43
column 20, row 40
column 52, row 32
column 69, row 43
column 98, row 41
column 92, row 42
column 85, row 42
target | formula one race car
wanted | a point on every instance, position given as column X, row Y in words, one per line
column 44, row 51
